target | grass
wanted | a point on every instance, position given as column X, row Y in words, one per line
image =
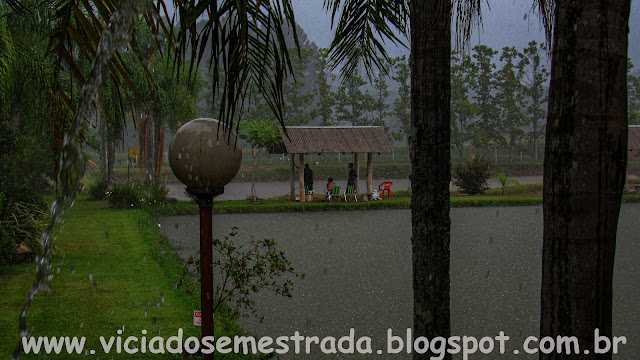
column 115, row 270
column 518, row 195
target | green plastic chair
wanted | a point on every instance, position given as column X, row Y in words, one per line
column 334, row 191
column 351, row 191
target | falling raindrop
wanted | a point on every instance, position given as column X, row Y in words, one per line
column 88, row 263
column 73, row 270
column 144, row 257
column 81, row 325
column 159, row 331
column 145, row 313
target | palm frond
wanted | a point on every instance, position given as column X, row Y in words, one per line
column 247, row 42
column 468, row 15
column 79, row 25
column 546, row 11
column 362, row 30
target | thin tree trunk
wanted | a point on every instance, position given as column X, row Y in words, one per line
column 584, row 170
column 102, row 152
column 431, row 168
column 159, row 148
column 149, row 147
column 157, row 131
column 111, row 157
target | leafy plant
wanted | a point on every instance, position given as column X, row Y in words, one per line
column 471, row 176
column 21, row 222
column 98, row 190
column 247, row 268
column 129, row 195
column 504, row 181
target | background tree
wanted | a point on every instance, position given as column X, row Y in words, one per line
column 322, row 87
column 351, row 102
column 296, row 99
column 261, row 135
column 584, row 169
column 510, row 96
column 633, row 90
column 462, row 109
column 485, row 130
column 379, row 105
column 535, row 78
column 402, row 103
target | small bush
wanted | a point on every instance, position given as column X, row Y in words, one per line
column 22, row 221
column 129, row 195
column 98, row 190
column 471, row 176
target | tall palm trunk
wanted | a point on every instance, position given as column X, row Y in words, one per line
column 431, row 167
column 584, row 169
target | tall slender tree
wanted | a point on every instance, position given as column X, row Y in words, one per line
column 486, row 129
column 510, row 96
column 352, row 103
column 584, row 169
column 633, row 88
column 462, row 109
column 535, row 79
column 322, row 87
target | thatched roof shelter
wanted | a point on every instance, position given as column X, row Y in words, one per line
column 303, row 140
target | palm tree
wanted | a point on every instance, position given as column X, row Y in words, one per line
column 584, row 169
column 357, row 40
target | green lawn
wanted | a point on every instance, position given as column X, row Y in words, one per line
column 114, row 271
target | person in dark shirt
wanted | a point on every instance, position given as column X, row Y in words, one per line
column 308, row 177
column 351, row 180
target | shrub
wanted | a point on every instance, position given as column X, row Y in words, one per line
column 98, row 190
column 246, row 268
column 129, row 195
column 471, row 176
column 123, row 196
column 22, row 221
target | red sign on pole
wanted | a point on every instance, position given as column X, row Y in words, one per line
column 197, row 318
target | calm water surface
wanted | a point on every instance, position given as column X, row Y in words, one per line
column 358, row 274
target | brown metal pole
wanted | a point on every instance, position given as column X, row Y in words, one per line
column 204, row 199
column 206, row 263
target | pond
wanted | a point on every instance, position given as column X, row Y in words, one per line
column 358, row 273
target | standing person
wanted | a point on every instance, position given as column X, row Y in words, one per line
column 308, row 178
column 351, row 180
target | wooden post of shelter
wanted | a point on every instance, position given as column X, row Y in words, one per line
column 370, row 174
column 301, row 179
column 356, row 165
column 292, row 172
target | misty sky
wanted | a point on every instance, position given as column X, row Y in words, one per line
column 504, row 25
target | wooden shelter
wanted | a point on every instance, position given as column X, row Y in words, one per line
column 303, row 140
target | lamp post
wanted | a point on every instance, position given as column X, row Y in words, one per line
column 203, row 155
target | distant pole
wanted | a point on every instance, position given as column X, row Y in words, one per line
column 370, row 174
column 356, row 164
column 301, row 177
column 292, row 172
